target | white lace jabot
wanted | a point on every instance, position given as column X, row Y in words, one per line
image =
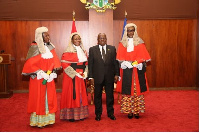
column 47, row 54
column 130, row 47
column 81, row 55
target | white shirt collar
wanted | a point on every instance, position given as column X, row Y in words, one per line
column 104, row 47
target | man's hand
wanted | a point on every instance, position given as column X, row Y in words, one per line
column 91, row 81
column 116, row 78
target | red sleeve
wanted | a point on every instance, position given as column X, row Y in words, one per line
column 69, row 57
column 32, row 64
column 121, row 52
column 57, row 63
column 142, row 53
column 36, row 63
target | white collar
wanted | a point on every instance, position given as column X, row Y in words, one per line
column 104, row 47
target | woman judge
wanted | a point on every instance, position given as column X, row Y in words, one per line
column 74, row 103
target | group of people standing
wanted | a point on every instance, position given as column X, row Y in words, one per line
column 104, row 67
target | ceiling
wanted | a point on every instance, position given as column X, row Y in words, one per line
column 62, row 9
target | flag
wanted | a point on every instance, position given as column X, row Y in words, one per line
column 73, row 23
column 125, row 21
column 73, row 27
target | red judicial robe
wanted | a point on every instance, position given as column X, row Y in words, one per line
column 140, row 54
column 67, row 100
column 37, row 91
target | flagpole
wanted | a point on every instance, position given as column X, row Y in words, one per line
column 73, row 13
column 73, row 23
column 125, row 13
column 125, row 21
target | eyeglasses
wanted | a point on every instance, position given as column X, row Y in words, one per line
column 130, row 30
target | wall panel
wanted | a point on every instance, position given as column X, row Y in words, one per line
column 16, row 37
column 172, row 44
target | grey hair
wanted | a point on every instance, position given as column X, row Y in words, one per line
column 136, row 39
column 39, row 38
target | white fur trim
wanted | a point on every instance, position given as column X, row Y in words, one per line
column 47, row 54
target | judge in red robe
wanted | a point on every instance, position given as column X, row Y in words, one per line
column 132, row 56
column 74, row 103
column 41, row 57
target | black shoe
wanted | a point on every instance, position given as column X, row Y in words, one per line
column 71, row 120
column 137, row 116
column 112, row 117
column 98, row 117
column 130, row 115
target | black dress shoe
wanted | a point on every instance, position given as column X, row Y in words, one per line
column 137, row 116
column 71, row 120
column 112, row 117
column 98, row 117
column 130, row 115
